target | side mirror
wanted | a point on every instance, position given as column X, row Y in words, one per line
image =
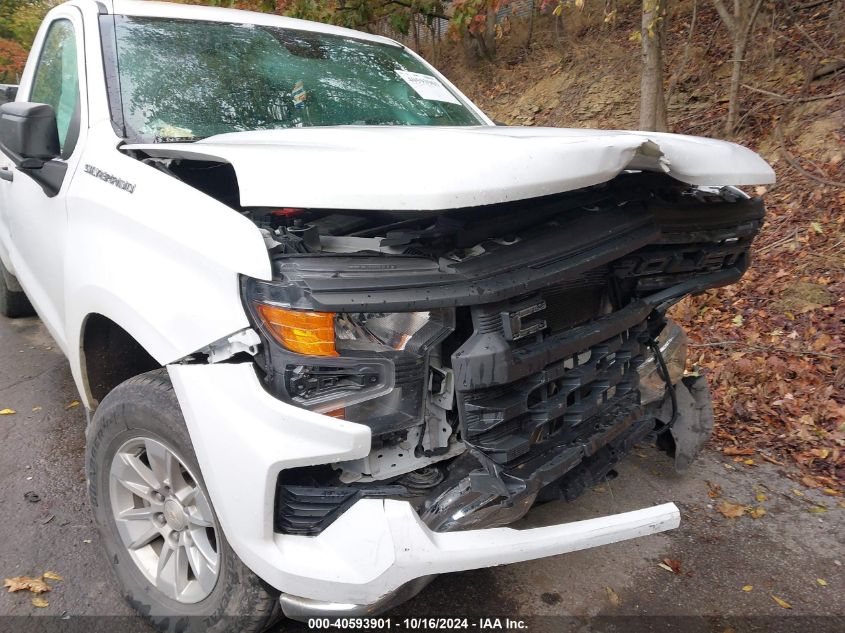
column 29, row 134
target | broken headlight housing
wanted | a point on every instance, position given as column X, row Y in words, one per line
column 378, row 331
column 367, row 367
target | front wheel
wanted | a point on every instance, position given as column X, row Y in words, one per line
column 156, row 520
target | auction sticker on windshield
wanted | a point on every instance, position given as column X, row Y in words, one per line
column 427, row 87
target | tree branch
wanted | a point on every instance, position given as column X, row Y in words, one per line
column 793, row 162
column 727, row 18
column 810, row 5
column 764, row 348
column 751, row 20
column 786, row 99
column 421, row 11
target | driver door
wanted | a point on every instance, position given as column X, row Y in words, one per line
column 37, row 220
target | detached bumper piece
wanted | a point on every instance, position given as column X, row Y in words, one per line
column 423, row 553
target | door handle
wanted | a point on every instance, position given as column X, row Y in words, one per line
column 6, row 174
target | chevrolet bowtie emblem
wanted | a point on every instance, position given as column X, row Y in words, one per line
column 513, row 325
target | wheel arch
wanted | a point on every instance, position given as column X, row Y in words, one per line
column 108, row 355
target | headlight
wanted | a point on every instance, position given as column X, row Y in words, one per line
column 368, row 367
column 298, row 330
column 378, row 331
column 324, row 333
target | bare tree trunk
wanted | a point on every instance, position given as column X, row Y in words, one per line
column 482, row 46
column 733, row 91
column 472, row 50
column 490, row 34
column 676, row 78
column 530, row 26
column 559, row 31
column 416, row 30
column 652, row 100
column 740, row 24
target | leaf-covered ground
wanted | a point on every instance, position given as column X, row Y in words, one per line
column 773, row 344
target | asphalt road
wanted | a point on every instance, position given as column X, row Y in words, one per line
column 616, row 587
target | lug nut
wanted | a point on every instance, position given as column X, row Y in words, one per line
column 159, row 497
column 160, row 518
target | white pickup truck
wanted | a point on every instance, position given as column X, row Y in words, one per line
column 334, row 329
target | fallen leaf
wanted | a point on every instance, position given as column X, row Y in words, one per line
column 51, row 575
column 797, row 492
column 822, row 582
column 664, row 566
column 612, row 596
column 731, row 510
column 738, row 320
column 25, row 583
column 39, row 602
column 761, row 497
column 810, row 482
column 817, row 227
column 831, row 492
column 781, row 602
column 747, row 588
column 36, row 409
column 736, row 450
column 756, row 513
column 73, row 404
column 673, row 565
column 715, row 490
column 7, row 411
column 86, row 540
column 817, row 510
column 748, row 462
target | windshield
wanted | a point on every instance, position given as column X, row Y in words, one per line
column 185, row 80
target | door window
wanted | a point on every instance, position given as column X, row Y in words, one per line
column 57, row 82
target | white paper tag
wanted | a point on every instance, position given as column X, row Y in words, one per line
column 427, row 87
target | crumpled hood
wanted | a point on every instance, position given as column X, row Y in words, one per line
column 431, row 168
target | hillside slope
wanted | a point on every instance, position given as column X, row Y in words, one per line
column 773, row 344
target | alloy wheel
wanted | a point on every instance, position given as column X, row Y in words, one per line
column 164, row 520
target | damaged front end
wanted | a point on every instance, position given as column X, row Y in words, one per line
column 501, row 355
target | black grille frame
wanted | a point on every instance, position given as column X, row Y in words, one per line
column 510, row 417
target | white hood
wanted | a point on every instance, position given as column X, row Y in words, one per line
column 432, row 168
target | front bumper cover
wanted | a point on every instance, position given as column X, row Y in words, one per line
column 243, row 437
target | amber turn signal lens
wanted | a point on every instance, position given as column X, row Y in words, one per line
column 300, row 331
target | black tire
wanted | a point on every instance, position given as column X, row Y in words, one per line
column 13, row 301
column 146, row 405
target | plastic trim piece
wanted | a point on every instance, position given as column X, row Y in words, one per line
column 420, row 549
